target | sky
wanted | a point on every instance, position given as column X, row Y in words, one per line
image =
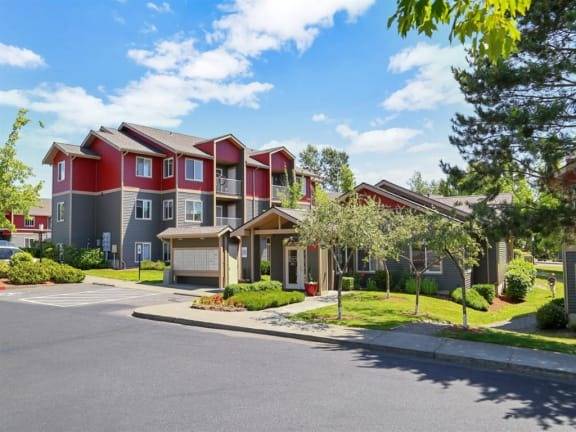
column 271, row 72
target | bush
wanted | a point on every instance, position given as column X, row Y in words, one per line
column 488, row 291
column 347, row 283
column 63, row 273
column 525, row 266
column 254, row 301
column 83, row 258
column 427, row 286
column 21, row 257
column 518, row 284
column 552, row 315
column 152, row 265
column 4, row 267
column 28, row 273
column 48, row 250
column 371, row 284
column 398, row 279
column 473, row 299
column 233, row 289
column 380, row 279
column 265, row 267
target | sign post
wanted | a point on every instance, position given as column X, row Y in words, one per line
column 139, row 253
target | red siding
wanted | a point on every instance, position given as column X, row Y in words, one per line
column 85, row 175
column 207, row 185
column 281, row 162
column 207, row 147
column 130, row 178
column 38, row 220
column 260, row 178
column 385, row 201
column 170, row 182
column 64, row 185
column 263, row 157
column 109, row 167
column 228, row 153
column 308, row 195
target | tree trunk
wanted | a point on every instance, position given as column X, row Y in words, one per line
column 340, row 296
column 464, row 309
column 387, row 281
column 418, row 280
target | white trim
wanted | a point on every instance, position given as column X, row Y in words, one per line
column 194, row 161
column 136, row 250
column 164, row 168
column 136, row 209
column 300, row 267
column 63, row 172
column 58, row 205
column 166, row 248
column 431, row 272
column 186, row 201
column 144, row 159
column 29, row 218
column 164, row 207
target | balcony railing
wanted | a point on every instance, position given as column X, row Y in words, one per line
column 228, row 186
column 230, row 221
column 278, row 191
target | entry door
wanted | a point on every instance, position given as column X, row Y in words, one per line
column 294, row 268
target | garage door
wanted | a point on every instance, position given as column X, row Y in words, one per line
column 195, row 260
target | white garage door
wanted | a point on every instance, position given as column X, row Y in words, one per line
column 195, row 259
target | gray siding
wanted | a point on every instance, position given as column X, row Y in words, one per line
column 570, row 281
column 61, row 230
column 168, row 223
column 207, row 209
column 83, row 220
column 259, row 206
column 277, row 256
column 107, row 217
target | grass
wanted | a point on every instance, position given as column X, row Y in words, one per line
column 563, row 342
column 147, row 276
column 370, row 309
column 545, row 270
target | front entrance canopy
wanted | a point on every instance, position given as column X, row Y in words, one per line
column 273, row 221
column 193, row 232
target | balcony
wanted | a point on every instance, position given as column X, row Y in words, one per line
column 278, row 191
column 230, row 221
column 228, row 186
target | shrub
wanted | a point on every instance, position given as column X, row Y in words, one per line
column 265, row 267
column 21, row 257
column 63, row 273
column 488, row 291
column 83, row 258
column 525, row 266
column 380, row 279
column 473, row 299
column 233, row 289
column 552, row 315
column 427, row 286
column 347, row 283
column 4, row 267
column 48, row 250
column 152, row 265
column 518, row 284
column 254, row 301
column 371, row 284
column 398, row 279
column 28, row 273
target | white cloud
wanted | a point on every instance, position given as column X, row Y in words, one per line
column 148, row 28
column 381, row 121
column 295, row 145
column 320, row 118
column 377, row 140
column 163, row 7
column 11, row 55
column 425, row 147
column 433, row 84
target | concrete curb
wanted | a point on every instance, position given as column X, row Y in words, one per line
column 436, row 354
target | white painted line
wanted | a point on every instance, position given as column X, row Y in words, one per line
column 83, row 298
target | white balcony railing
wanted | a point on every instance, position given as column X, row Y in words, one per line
column 230, row 221
column 228, row 186
column 278, row 192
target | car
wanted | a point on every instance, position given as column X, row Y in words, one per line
column 6, row 251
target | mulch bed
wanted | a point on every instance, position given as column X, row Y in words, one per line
column 501, row 302
column 217, row 307
column 5, row 284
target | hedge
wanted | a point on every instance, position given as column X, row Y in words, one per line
column 28, row 273
column 348, row 283
column 265, row 267
column 254, row 301
column 152, row 265
column 21, row 257
column 63, row 273
column 473, row 299
column 487, row 291
column 427, row 286
column 552, row 315
column 518, row 284
column 525, row 266
column 4, row 267
column 83, row 258
column 233, row 289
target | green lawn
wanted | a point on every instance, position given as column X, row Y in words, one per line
column 547, row 269
column 564, row 341
column 147, row 276
column 370, row 309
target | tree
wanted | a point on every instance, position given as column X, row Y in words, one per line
column 293, row 192
column 347, row 181
column 417, row 184
column 337, row 225
column 326, row 164
column 17, row 194
column 490, row 25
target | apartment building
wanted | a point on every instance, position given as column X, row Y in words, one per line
column 29, row 228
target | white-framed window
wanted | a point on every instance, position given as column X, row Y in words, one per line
column 29, row 242
column 363, row 263
column 194, row 170
column 166, row 252
column 423, row 258
column 145, row 248
column 193, row 211
column 143, row 167
column 29, row 222
column 167, row 209
column 219, row 172
column 60, row 211
column 143, row 209
column 168, row 168
column 61, row 170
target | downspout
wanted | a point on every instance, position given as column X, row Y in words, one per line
column 71, row 187
column 254, row 193
column 176, row 159
column 121, row 251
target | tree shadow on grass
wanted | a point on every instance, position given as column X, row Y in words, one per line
column 550, row 403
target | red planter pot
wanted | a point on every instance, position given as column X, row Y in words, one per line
column 311, row 288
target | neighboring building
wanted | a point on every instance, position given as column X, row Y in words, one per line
column 122, row 187
column 30, row 228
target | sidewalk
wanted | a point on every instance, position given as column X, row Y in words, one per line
column 275, row 322
column 189, row 290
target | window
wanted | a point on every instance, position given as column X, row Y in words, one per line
column 143, row 167
column 302, row 181
column 143, row 209
column 219, row 172
column 29, row 242
column 168, row 168
column 193, row 211
column 60, row 212
column 29, row 222
column 167, row 209
column 423, row 258
column 194, row 170
column 145, row 249
column 61, row 170
column 166, row 252
column 363, row 263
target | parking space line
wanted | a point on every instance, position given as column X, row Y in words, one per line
column 84, row 298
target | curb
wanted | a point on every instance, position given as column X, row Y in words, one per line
column 492, row 365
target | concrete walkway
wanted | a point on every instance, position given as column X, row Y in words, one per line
column 193, row 291
column 275, row 322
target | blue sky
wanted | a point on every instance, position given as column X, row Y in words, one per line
column 272, row 72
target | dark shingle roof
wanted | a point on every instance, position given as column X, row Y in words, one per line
column 194, row 232
column 124, row 142
column 466, row 202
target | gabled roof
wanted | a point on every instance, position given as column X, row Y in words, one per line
column 68, row 150
column 194, row 232
column 466, row 202
column 272, row 150
column 121, row 142
column 253, row 162
column 291, row 215
column 43, row 208
column 177, row 142
column 390, row 195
